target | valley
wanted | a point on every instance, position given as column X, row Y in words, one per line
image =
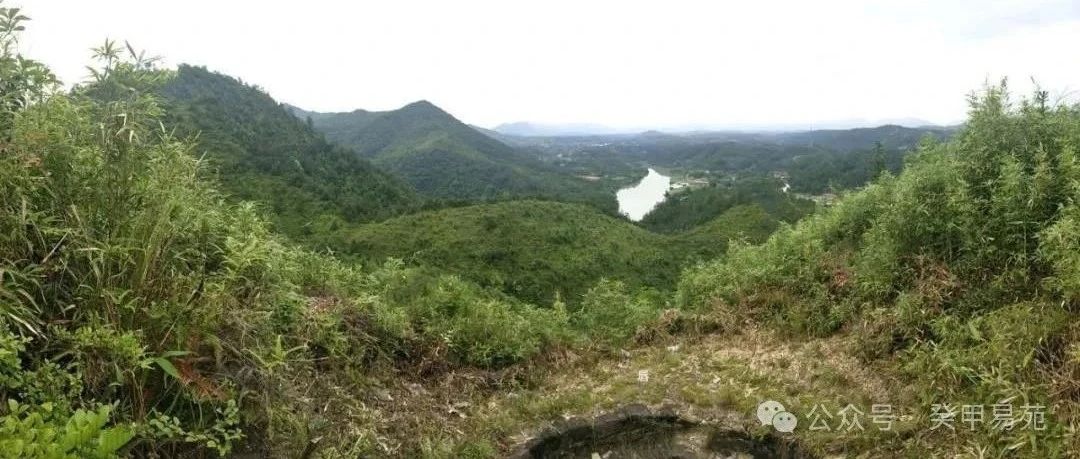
column 192, row 267
column 442, row 158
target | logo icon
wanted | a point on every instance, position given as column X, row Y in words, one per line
column 773, row 413
column 785, row 422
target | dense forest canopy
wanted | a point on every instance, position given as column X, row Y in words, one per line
column 685, row 210
column 263, row 153
column 530, row 249
column 543, row 251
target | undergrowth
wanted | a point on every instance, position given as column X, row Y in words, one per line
column 143, row 313
column 963, row 269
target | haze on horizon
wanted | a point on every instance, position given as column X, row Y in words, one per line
column 629, row 65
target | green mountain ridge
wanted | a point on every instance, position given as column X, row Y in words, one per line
column 263, row 153
column 444, row 158
column 891, row 136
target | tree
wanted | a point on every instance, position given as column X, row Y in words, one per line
column 879, row 165
column 22, row 81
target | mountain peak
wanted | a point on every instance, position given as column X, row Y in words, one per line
column 445, row 158
column 423, row 105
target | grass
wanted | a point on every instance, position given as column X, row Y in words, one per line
column 713, row 379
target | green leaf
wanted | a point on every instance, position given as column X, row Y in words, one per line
column 167, row 366
column 111, row 440
column 168, row 354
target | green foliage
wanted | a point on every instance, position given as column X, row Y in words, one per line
column 989, row 348
column 826, row 171
column 263, row 153
column 49, row 427
column 688, row 209
column 427, row 315
column 889, row 137
column 964, row 266
column 900, row 227
column 710, row 240
column 22, row 81
column 44, row 432
column 218, row 437
column 728, row 157
column 1060, row 246
column 611, row 166
column 144, row 312
column 532, row 250
column 612, row 314
column 114, row 253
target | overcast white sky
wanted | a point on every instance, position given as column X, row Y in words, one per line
column 620, row 63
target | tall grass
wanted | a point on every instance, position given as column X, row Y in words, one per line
column 964, row 267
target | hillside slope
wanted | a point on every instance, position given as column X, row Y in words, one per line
column 529, row 249
column 146, row 315
column 536, row 250
column 263, row 153
column 891, row 137
column 960, row 275
column 445, row 158
column 687, row 209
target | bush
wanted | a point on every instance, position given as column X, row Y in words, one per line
column 44, row 432
column 610, row 315
column 965, row 266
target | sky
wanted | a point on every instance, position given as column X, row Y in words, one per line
column 627, row 64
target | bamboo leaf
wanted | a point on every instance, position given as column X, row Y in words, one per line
column 167, row 367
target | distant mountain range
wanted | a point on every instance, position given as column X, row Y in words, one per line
column 527, row 129
column 387, row 163
column 892, row 137
column 530, row 129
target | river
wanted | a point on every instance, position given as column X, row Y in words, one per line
column 638, row 200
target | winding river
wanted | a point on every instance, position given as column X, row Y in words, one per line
column 638, row 200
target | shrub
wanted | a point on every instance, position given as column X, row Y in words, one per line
column 44, row 432
column 965, row 266
column 610, row 315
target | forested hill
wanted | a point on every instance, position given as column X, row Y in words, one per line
column 891, row 137
column 690, row 209
column 528, row 249
column 445, row 158
column 265, row 154
column 535, row 250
